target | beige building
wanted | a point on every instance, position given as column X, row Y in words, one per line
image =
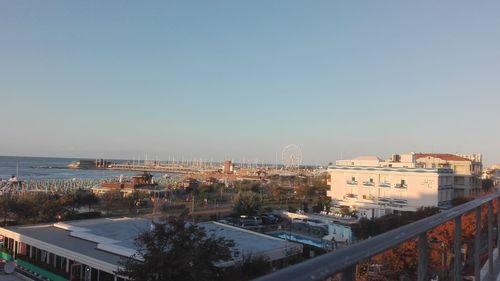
column 467, row 170
column 375, row 187
column 493, row 173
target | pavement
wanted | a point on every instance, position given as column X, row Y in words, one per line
column 9, row 277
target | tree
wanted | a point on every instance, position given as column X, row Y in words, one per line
column 460, row 200
column 399, row 261
column 323, row 204
column 249, row 268
column 25, row 209
column 88, row 198
column 366, row 228
column 487, row 184
column 109, row 197
column 176, row 250
column 6, row 205
column 246, row 203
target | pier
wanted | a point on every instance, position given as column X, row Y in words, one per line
column 184, row 167
column 165, row 168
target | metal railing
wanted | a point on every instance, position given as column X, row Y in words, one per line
column 344, row 261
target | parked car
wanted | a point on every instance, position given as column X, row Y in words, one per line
column 250, row 224
column 268, row 219
column 258, row 220
column 231, row 221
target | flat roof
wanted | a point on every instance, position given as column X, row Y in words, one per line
column 248, row 242
column 109, row 240
column 61, row 238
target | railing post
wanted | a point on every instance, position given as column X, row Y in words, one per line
column 457, row 252
column 349, row 274
column 477, row 246
column 491, row 271
column 422, row 256
column 498, row 225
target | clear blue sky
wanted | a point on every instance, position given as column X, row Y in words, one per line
column 242, row 79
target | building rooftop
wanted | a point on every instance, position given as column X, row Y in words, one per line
column 443, row 156
column 392, row 169
column 109, row 240
column 368, row 158
column 252, row 243
column 62, row 238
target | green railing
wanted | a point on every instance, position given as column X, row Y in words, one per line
column 40, row 271
column 5, row 256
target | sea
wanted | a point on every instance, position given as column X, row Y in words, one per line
column 48, row 168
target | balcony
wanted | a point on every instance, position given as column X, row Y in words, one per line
column 401, row 186
column 384, row 199
column 368, row 183
column 400, row 202
column 351, row 196
column 385, row 184
column 471, row 256
column 352, row 182
column 369, row 197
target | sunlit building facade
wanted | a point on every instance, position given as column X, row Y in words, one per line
column 467, row 170
column 374, row 187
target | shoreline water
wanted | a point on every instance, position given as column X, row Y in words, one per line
column 52, row 168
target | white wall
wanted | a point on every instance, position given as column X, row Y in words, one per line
column 422, row 188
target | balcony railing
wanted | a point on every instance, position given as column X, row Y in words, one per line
column 384, row 199
column 401, row 186
column 352, row 182
column 384, row 184
column 368, row 183
column 345, row 260
column 402, row 202
column 369, row 197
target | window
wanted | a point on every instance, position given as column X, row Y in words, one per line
column 93, row 274
column 353, row 179
column 28, row 251
column 38, row 255
column 371, row 180
column 58, row 262
column 403, row 182
column 104, row 276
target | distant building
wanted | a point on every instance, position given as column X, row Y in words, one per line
column 375, row 187
column 228, row 167
column 493, row 173
column 467, row 170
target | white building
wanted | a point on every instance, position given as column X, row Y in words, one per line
column 375, row 187
column 467, row 170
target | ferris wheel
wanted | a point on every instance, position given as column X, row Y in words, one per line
column 291, row 156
